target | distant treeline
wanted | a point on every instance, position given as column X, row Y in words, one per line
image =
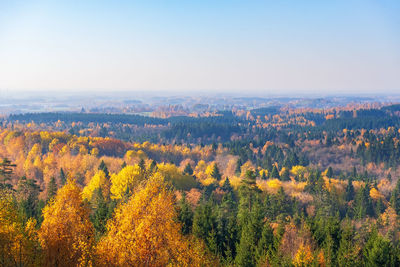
column 68, row 117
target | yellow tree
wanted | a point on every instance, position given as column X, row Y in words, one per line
column 10, row 232
column 125, row 180
column 304, row 256
column 172, row 174
column 144, row 232
column 18, row 246
column 99, row 180
column 66, row 234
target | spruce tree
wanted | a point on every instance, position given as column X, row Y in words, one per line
column 227, row 228
column 142, row 165
column 395, row 198
column 363, row 203
column 378, row 251
column 6, row 169
column 103, row 167
column 188, row 169
column 245, row 250
column 329, row 172
column 263, row 176
column 153, row 166
column 101, row 212
column 215, row 172
column 275, row 173
column 185, row 215
column 204, row 222
column 238, row 165
column 285, row 175
column 266, row 242
column 51, row 189
column 27, row 194
column 347, row 254
column 63, row 177
column 350, row 190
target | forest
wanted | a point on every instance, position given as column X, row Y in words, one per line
column 274, row 186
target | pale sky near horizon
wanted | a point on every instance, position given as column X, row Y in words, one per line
column 343, row 46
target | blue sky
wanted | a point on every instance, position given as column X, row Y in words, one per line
column 263, row 47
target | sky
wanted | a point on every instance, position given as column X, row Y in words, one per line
column 261, row 47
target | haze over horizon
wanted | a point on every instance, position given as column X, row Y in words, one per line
column 346, row 47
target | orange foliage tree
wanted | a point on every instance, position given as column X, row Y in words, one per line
column 18, row 244
column 144, row 232
column 66, row 234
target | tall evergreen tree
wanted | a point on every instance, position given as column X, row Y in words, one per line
column 329, row 172
column 363, row 203
column 142, row 165
column 266, row 242
column 227, row 228
column 275, row 173
column 51, row 189
column 101, row 212
column 378, row 251
column 6, row 169
column 204, row 223
column 395, row 198
column 188, row 169
column 153, row 166
column 28, row 198
column 103, row 167
column 350, row 190
column 285, row 175
column 63, row 177
column 238, row 165
column 347, row 253
column 185, row 215
column 215, row 173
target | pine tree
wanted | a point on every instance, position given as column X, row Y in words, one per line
column 101, row 212
column 51, row 189
column 350, row 190
column 378, row 251
column 142, row 165
column 251, row 227
column 285, row 175
column 245, row 250
column 275, row 173
column 215, row 172
column 185, row 215
column 188, row 169
column 395, row 198
column 123, row 165
column 238, row 165
column 226, row 186
column 263, row 176
column 153, row 166
column 103, row 167
column 354, row 172
column 204, row 222
column 6, row 169
column 329, row 172
column 347, row 253
column 28, row 198
column 227, row 228
column 266, row 243
column 363, row 203
column 63, row 177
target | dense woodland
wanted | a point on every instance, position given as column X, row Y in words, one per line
column 272, row 186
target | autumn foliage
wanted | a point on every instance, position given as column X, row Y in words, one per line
column 66, row 234
column 143, row 231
